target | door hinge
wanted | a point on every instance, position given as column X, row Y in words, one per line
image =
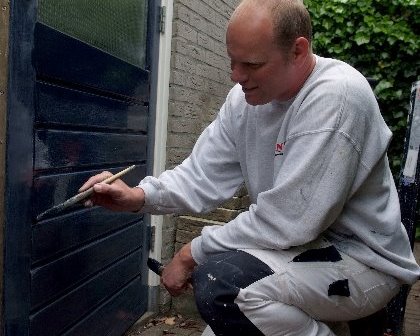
column 162, row 19
column 152, row 233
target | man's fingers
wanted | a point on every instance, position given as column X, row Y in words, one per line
column 110, row 189
column 176, row 292
column 181, row 290
column 94, row 180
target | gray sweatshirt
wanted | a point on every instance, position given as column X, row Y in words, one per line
column 313, row 165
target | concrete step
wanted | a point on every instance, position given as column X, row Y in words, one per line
column 218, row 215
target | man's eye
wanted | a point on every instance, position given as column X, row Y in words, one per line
column 254, row 65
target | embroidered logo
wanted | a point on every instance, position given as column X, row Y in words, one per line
column 279, row 150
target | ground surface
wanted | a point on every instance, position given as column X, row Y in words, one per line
column 175, row 325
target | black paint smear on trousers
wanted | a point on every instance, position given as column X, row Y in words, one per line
column 324, row 254
column 216, row 285
column 339, row 287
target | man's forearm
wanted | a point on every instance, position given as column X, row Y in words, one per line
column 185, row 257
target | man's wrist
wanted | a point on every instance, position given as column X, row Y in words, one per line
column 185, row 257
column 138, row 198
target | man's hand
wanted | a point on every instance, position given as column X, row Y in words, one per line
column 117, row 196
column 177, row 274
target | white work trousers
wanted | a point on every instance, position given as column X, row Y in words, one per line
column 288, row 292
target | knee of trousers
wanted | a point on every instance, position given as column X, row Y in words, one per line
column 218, row 282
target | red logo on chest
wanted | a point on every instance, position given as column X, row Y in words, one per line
column 279, row 150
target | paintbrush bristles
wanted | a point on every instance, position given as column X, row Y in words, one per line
column 82, row 195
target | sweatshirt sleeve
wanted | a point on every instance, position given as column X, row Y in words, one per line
column 308, row 194
column 210, row 175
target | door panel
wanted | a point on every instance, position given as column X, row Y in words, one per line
column 87, row 109
column 62, row 148
column 60, row 314
column 109, row 318
column 73, row 108
column 60, row 235
column 65, row 59
column 102, row 24
column 58, row 276
column 57, row 187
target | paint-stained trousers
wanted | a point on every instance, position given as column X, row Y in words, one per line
column 289, row 292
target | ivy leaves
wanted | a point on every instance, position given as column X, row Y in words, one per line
column 381, row 40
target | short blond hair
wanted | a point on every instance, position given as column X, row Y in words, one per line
column 290, row 20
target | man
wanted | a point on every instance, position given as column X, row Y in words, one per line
column 322, row 239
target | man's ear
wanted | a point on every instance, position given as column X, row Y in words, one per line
column 300, row 50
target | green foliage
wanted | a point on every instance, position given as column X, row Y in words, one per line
column 381, row 40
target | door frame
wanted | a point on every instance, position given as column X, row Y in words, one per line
column 19, row 167
column 160, row 138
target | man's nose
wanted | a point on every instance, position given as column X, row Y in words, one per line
column 238, row 75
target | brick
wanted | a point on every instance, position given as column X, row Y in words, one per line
column 183, row 109
column 181, row 140
column 184, row 236
column 189, row 16
column 220, row 49
column 242, row 191
column 237, row 203
column 183, row 125
column 191, row 81
column 204, row 10
column 221, row 7
column 189, row 49
column 180, row 28
column 216, row 60
column 164, row 300
column 177, row 155
column 184, row 62
column 214, row 30
column 218, row 89
column 189, row 223
column 221, row 76
column 198, row 7
column 169, row 236
column 184, row 94
column 205, row 41
column 167, row 251
column 207, row 71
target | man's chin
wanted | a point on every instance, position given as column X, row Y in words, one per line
column 254, row 101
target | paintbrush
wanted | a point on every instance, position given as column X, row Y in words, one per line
column 81, row 196
column 155, row 266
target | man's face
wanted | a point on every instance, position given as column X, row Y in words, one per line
column 257, row 64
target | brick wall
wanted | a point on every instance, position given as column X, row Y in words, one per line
column 199, row 71
column 189, row 226
column 199, row 82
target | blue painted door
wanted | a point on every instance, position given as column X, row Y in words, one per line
column 88, row 103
